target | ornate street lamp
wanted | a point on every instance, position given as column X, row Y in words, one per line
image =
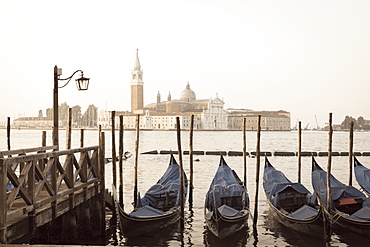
column 82, row 84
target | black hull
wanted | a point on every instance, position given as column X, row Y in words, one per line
column 223, row 227
column 312, row 226
column 346, row 224
column 146, row 226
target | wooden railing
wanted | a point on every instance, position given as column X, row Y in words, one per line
column 29, row 182
column 26, row 151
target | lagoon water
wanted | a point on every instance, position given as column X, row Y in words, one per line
column 151, row 168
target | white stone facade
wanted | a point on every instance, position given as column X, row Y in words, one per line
column 214, row 117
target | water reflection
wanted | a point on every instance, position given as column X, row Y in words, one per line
column 240, row 238
column 278, row 231
column 174, row 233
column 189, row 226
column 350, row 238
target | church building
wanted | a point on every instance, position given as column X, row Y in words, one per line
column 209, row 114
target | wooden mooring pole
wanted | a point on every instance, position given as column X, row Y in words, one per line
column 8, row 132
column 350, row 152
column 81, row 138
column 178, row 127
column 328, row 175
column 102, row 180
column 114, row 166
column 191, row 159
column 245, row 151
column 255, row 217
column 299, row 151
column 120, row 153
column 69, row 130
column 136, row 159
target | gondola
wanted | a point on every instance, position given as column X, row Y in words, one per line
column 226, row 207
column 362, row 175
column 159, row 208
column 290, row 203
column 349, row 209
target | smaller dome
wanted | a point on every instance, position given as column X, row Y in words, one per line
column 187, row 94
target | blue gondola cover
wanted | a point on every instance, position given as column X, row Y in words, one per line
column 224, row 185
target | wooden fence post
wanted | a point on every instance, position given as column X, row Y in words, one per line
column 43, row 144
column 3, row 204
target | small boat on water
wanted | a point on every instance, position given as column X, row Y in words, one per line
column 290, row 203
column 362, row 174
column 159, row 208
column 226, row 207
column 349, row 207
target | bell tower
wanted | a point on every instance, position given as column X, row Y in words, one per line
column 137, row 87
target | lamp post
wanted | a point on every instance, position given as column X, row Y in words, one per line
column 82, row 84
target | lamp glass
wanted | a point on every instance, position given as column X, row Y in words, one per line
column 82, row 83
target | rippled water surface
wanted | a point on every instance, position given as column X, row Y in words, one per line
column 151, row 168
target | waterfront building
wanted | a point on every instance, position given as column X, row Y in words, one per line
column 209, row 114
column 104, row 119
column 270, row 120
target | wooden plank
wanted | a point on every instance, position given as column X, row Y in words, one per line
column 26, row 150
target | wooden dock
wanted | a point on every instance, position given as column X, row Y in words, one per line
column 39, row 186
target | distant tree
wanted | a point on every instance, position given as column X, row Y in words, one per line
column 63, row 112
column 40, row 114
column 347, row 120
column 360, row 122
column 76, row 114
column 90, row 117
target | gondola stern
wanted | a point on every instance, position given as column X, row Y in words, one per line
column 172, row 159
column 267, row 162
column 222, row 160
column 356, row 162
column 315, row 166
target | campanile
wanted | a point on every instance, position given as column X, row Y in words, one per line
column 137, row 87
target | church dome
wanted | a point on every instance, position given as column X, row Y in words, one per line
column 187, row 94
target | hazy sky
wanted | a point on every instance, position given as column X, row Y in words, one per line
column 306, row 57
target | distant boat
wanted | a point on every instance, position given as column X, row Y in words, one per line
column 126, row 155
column 290, row 203
column 227, row 203
column 159, row 208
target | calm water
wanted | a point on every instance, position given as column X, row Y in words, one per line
column 151, row 167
